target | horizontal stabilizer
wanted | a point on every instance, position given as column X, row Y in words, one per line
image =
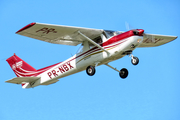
column 20, row 80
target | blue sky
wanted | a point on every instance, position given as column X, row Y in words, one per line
column 150, row 92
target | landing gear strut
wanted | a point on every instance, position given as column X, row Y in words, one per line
column 123, row 73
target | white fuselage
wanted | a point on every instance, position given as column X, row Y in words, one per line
column 93, row 56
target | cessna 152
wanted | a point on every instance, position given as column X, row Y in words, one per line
column 99, row 47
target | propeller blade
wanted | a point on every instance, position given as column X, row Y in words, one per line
column 129, row 27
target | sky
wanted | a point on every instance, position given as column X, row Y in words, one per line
column 150, row 92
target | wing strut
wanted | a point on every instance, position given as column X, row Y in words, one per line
column 94, row 43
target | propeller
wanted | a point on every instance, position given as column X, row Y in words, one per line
column 129, row 27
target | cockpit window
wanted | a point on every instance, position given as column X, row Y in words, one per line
column 110, row 33
column 98, row 40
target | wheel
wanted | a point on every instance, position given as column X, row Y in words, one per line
column 90, row 70
column 123, row 73
column 135, row 60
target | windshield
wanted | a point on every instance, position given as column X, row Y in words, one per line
column 110, row 33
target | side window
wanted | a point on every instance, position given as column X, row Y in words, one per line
column 98, row 40
column 109, row 33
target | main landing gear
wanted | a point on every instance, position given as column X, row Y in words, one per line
column 90, row 70
column 123, row 73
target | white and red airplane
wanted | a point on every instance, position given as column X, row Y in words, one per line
column 99, row 47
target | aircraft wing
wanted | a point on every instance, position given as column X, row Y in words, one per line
column 152, row 40
column 20, row 80
column 58, row 34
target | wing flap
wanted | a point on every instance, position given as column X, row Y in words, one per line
column 58, row 34
column 152, row 40
column 20, row 80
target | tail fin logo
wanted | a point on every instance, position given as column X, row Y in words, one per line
column 17, row 65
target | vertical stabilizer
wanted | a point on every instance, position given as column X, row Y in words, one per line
column 20, row 67
column 27, row 76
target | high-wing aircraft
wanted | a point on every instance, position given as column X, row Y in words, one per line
column 99, row 47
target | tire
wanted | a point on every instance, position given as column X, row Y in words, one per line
column 90, row 70
column 135, row 60
column 123, row 73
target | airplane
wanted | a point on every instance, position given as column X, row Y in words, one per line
column 99, row 47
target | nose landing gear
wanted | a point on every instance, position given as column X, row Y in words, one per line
column 134, row 60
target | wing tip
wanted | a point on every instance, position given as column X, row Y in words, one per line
column 175, row 37
column 26, row 27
